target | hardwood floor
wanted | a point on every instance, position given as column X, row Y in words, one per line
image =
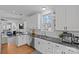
column 4, row 48
column 13, row 49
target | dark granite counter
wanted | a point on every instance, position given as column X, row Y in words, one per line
column 57, row 40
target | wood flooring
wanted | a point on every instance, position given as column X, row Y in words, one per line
column 13, row 49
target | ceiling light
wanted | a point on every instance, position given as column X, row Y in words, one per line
column 43, row 8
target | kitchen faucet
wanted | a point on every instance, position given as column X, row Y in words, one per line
column 44, row 35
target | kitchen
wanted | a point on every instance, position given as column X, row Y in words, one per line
column 39, row 29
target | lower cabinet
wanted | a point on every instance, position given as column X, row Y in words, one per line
column 57, row 49
column 43, row 46
column 21, row 40
column 69, row 50
column 47, row 47
column 28, row 39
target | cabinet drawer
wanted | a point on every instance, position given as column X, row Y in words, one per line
column 70, row 50
column 43, row 46
column 57, row 49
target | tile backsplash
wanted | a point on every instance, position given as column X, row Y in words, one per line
column 50, row 34
column 55, row 33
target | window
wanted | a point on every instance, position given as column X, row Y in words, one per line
column 47, row 22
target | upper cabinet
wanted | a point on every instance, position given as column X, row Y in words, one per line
column 60, row 18
column 43, row 21
column 33, row 21
column 72, row 17
column 67, row 18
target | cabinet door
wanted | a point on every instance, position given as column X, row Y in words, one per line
column 30, row 40
column 70, row 50
column 72, row 13
column 49, row 48
column 60, row 18
column 37, row 44
column 27, row 40
column 21, row 40
column 43, row 46
column 58, row 49
column 24, row 39
column 33, row 21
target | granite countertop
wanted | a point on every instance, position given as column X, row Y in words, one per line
column 57, row 40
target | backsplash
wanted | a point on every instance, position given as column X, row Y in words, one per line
column 50, row 34
column 55, row 33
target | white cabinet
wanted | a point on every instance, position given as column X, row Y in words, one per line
column 24, row 39
column 33, row 21
column 37, row 44
column 60, row 18
column 4, row 39
column 28, row 40
column 67, row 18
column 21, row 40
column 43, row 46
column 47, row 47
column 70, row 50
column 58, row 49
column 72, row 16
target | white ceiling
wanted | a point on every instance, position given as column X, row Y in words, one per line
column 23, row 9
column 26, row 10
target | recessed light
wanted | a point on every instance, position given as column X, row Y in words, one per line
column 43, row 8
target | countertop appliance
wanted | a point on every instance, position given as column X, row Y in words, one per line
column 76, row 40
column 67, row 37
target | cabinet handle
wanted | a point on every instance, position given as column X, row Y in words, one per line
column 63, row 52
column 66, row 27
column 57, row 46
column 71, row 50
column 48, row 43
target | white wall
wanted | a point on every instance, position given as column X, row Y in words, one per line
column 32, row 23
